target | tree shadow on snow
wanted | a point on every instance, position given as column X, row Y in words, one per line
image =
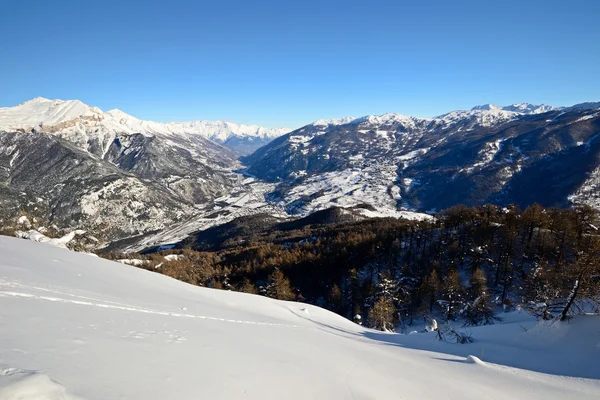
column 557, row 359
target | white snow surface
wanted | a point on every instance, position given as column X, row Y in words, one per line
column 78, row 327
column 391, row 119
column 37, row 236
column 45, row 111
column 64, row 115
column 524, row 108
column 333, row 121
column 364, row 184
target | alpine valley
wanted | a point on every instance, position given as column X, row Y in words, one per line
column 136, row 184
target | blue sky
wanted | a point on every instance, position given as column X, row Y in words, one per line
column 287, row 63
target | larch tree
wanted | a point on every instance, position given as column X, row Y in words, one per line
column 452, row 295
column 381, row 315
column 478, row 310
column 248, row 287
column 335, row 299
column 279, row 286
column 429, row 290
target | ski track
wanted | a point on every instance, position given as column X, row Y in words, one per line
column 116, row 306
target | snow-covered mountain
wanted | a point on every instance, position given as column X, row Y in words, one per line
column 57, row 183
column 79, row 167
column 511, row 154
column 75, row 166
column 523, row 108
column 72, row 117
column 333, row 121
column 112, row 331
column 491, row 113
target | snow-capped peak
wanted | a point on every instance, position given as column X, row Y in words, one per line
column 390, row 119
column 527, row 108
column 486, row 107
column 490, row 114
column 522, row 108
column 42, row 113
column 38, row 99
column 584, row 106
column 333, row 121
column 116, row 113
column 483, row 117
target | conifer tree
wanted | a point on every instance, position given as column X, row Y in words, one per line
column 429, row 290
column 335, row 299
column 381, row 315
column 279, row 286
column 452, row 295
column 248, row 287
column 478, row 310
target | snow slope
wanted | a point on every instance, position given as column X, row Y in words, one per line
column 74, row 326
column 43, row 111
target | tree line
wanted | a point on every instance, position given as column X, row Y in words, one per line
column 465, row 265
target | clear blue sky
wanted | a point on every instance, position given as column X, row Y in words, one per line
column 287, row 63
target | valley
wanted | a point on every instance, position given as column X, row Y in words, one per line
column 326, row 200
column 138, row 184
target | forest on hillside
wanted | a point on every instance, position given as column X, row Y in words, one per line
column 466, row 264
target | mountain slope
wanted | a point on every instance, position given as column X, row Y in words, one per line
column 109, row 172
column 60, row 184
column 141, row 184
column 113, row 331
column 488, row 154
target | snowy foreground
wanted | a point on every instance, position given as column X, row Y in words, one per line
column 74, row 326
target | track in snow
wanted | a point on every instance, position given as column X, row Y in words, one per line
column 117, row 306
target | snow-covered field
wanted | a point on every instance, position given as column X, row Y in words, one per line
column 102, row 330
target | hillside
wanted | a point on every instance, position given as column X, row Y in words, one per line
column 112, row 331
column 517, row 154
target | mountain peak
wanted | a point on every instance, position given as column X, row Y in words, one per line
column 486, row 107
column 42, row 112
column 116, row 113
column 522, row 108
column 39, row 99
column 584, row 106
column 333, row 121
column 389, row 119
column 528, row 108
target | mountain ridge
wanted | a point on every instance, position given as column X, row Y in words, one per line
column 47, row 115
column 161, row 184
column 428, row 164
